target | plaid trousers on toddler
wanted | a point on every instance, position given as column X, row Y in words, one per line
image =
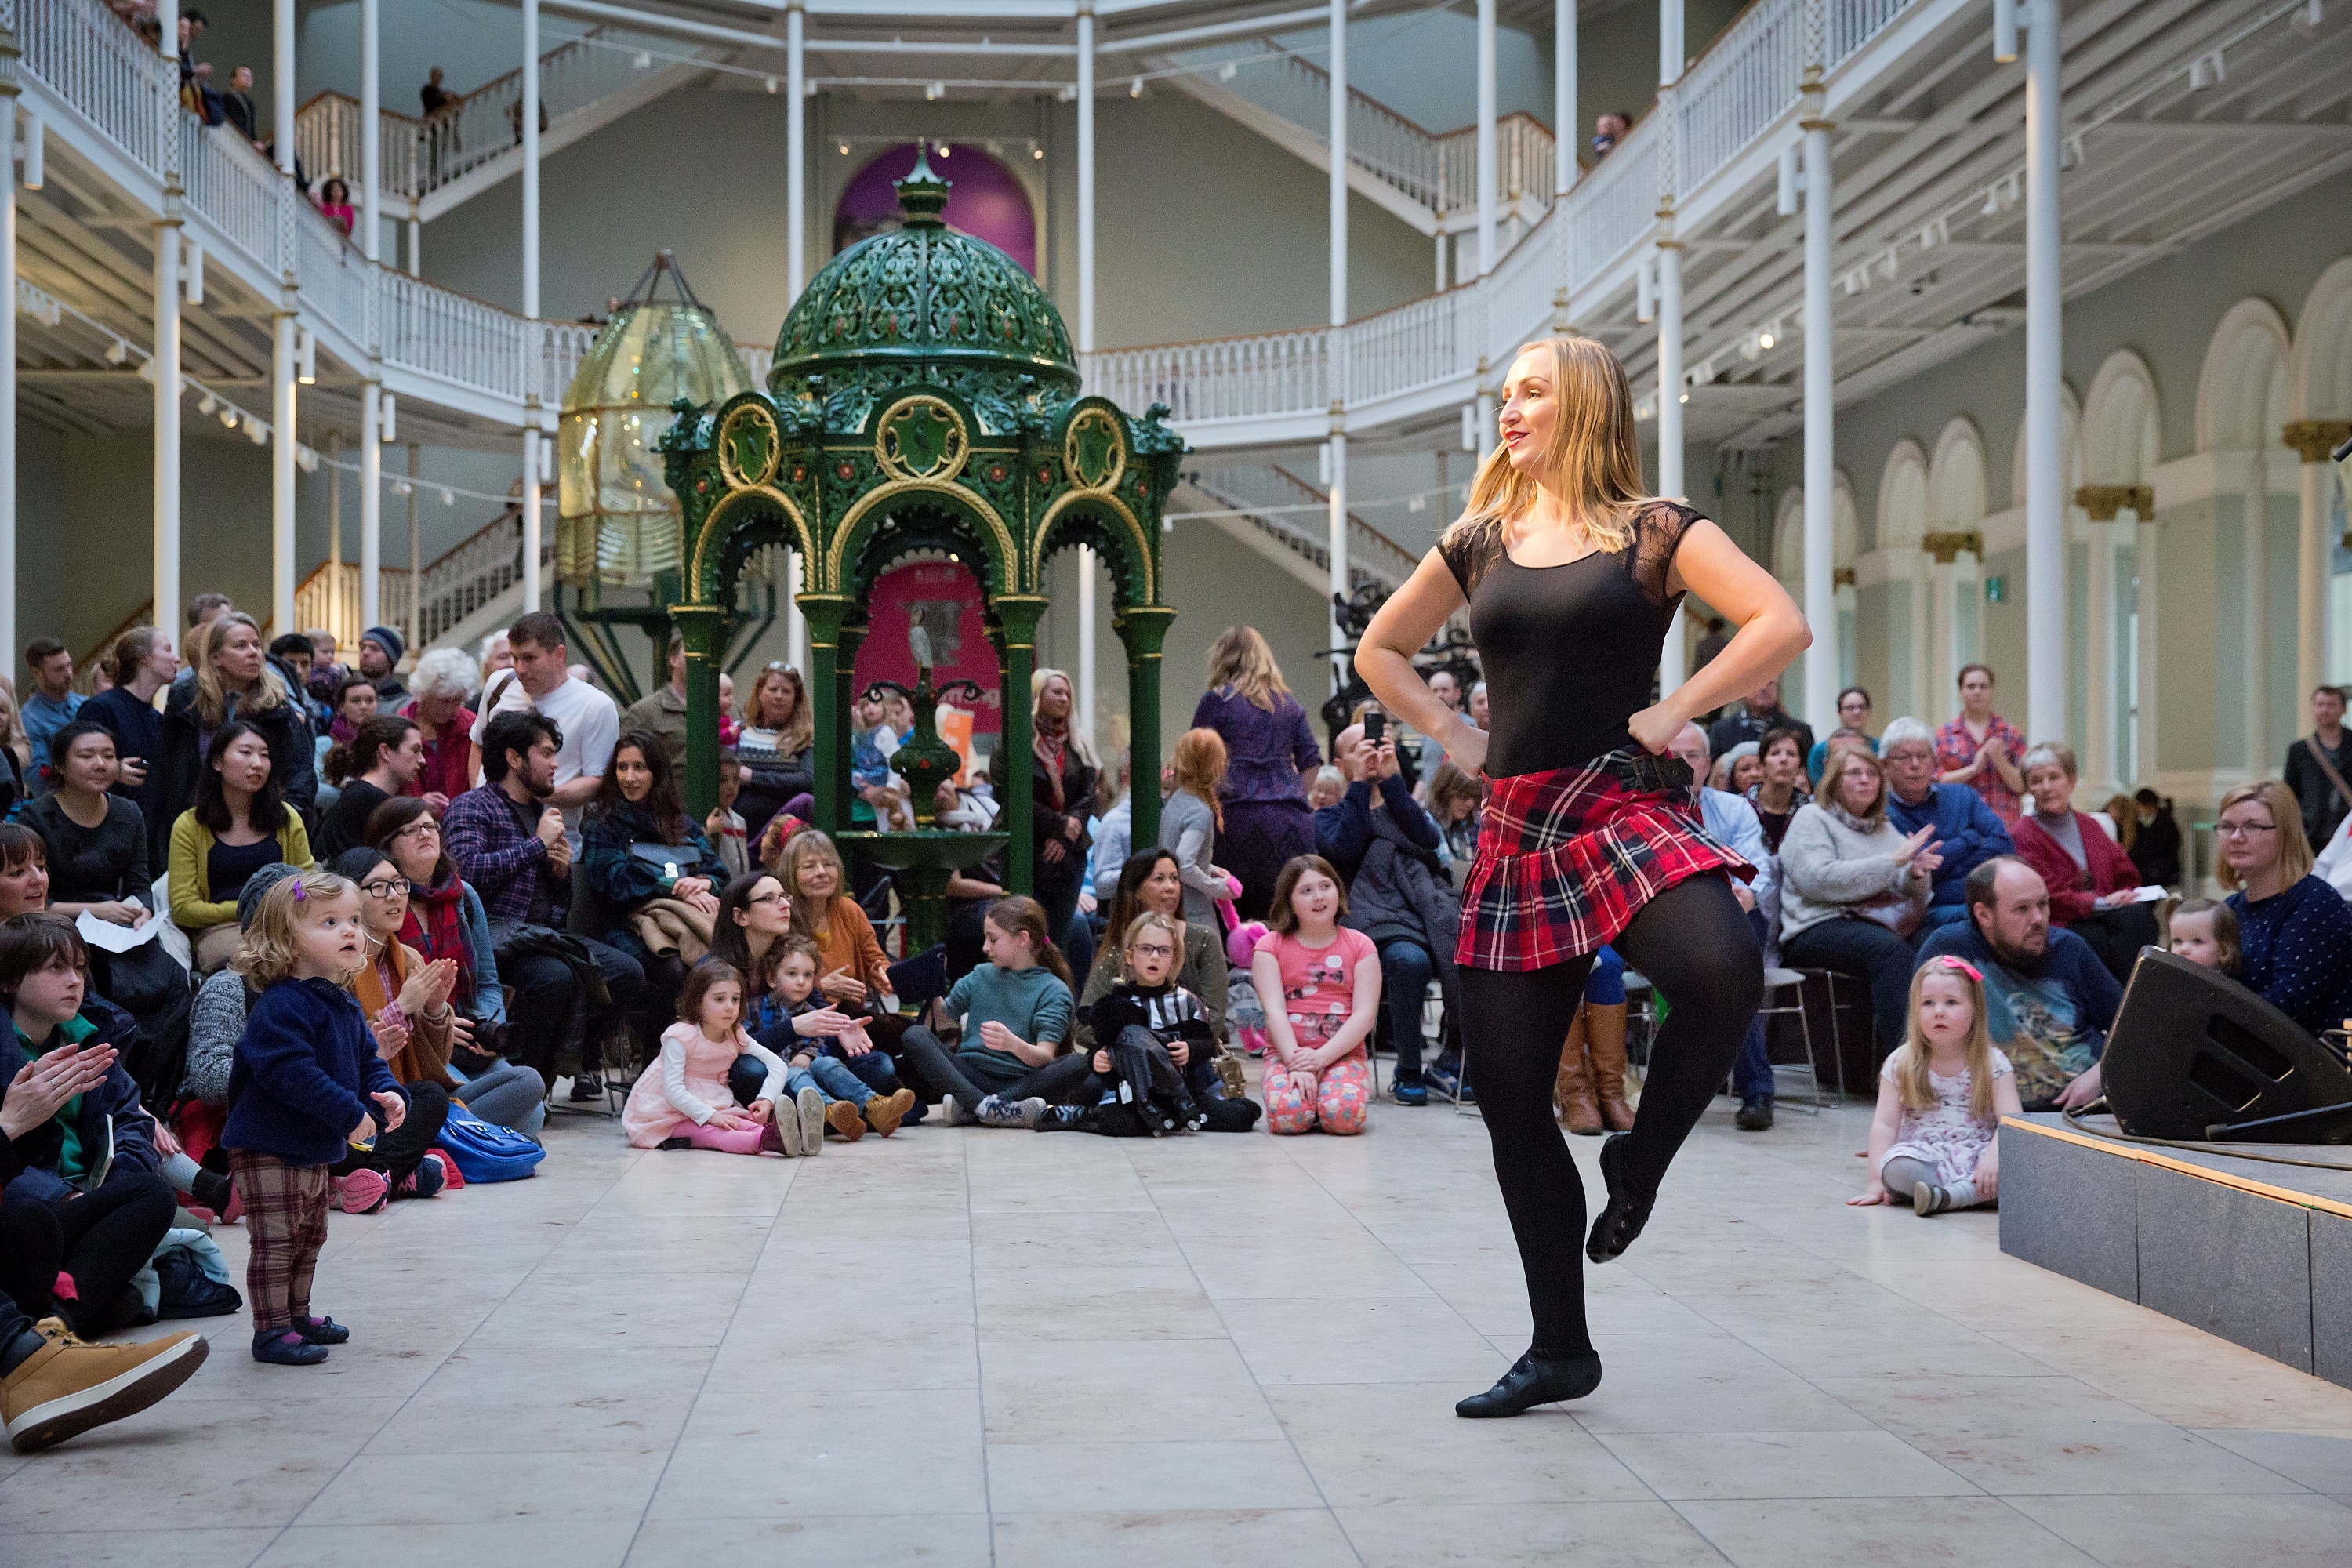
column 286, row 1226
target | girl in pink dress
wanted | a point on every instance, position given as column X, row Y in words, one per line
column 685, row 1102
column 1327, row 980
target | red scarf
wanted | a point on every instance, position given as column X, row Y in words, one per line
column 1052, row 747
column 435, row 927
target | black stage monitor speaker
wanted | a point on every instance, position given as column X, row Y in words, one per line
column 2194, row 1055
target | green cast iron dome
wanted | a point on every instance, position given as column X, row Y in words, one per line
column 923, row 303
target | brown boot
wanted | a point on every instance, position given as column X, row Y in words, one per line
column 1605, row 1034
column 1572, row 1092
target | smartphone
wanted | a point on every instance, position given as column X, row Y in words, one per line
column 1376, row 726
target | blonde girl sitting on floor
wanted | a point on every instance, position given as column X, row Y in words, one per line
column 685, row 1104
column 1941, row 1097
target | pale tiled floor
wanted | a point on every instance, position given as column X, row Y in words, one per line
column 973, row 1347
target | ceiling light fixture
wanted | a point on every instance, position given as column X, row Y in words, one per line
column 1037, row 153
column 772, row 84
column 117, row 352
column 644, row 60
column 1135, row 88
column 1229, row 71
column 934, row 92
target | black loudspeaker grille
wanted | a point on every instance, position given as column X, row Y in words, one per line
column 2191, row 1049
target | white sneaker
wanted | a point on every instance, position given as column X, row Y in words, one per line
column 1021, row 1113
column 952, row 1114
column 809, row 1111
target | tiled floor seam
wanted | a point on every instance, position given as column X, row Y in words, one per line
column 979, row 1371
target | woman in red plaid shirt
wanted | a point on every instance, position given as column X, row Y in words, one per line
column 1983, row 749
column 1591, row 834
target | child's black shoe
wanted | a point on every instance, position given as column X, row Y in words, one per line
column 322, row 1330
column 287, row 1347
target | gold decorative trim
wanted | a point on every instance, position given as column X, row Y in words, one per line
column 1843, row 577
column 1947, row 547
column 889, row 451
column 2103, row 502
column 742, row 413
column 2315, row 439
column 1084, row 419
column 725, row 507
column 882, row 495
column 1069, row 498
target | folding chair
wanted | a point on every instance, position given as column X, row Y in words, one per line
column 1793, row 981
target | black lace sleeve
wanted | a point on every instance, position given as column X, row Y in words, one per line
column 1658, row 531
column 1468, row 557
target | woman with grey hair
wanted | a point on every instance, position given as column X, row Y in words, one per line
column 442, row 681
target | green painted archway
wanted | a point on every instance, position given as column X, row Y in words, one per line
column 923, row 397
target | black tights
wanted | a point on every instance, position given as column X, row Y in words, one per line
column 1696, row 946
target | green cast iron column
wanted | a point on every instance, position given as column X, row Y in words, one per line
column 1019, row 615
column 1141, row 630
column 698, row 626
column 832, row 720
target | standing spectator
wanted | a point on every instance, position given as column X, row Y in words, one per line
column 1980, row 749
column 777, row 747
column 296, row 654
column 1759, row 713
column 1608, row 130
column 443, row 678
column 2294, row 931
column 1852, row 888
column 144, row 664
column 586, row 721
column 380, row 651
column 433, row 95
column 1189, row 821
column 235, row 680
column 240, row 822
column 335, row 204
column 2093, row 886
column 1853, row 723
column 237, row 103
column 1384, row 848
column 1270, row 752
column 1063, row 774
column 1777, row 795
column 2316, row 766
column 1966, row 832
column 1114, row 841
column 2156, row 847
column 661, row 713
column 2049, row 1002
column 52, row 704
column 507, row 841
column 1711, row 643
column 206, row 608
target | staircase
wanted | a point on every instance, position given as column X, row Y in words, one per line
column 435, row 164
column 466, row 593
column 1286, row 520
column 1426, row 179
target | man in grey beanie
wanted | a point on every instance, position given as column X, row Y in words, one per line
column 380, row 651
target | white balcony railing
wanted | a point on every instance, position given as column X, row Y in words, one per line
column 1277, row 502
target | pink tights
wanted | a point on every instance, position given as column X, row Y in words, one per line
column 743, row 1141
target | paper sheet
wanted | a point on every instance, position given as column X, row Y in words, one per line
column 108, row 936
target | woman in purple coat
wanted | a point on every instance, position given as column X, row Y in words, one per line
column 1271, row 753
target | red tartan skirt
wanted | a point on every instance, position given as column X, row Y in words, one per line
column 1567, row 858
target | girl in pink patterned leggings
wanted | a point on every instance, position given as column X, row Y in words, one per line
column 1329, row 982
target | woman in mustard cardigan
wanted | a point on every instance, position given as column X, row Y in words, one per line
column 239, row 824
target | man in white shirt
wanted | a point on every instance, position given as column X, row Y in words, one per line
column 590, row 722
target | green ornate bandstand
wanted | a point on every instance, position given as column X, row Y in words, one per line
column 923, row 400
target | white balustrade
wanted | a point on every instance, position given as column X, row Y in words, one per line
column 1747, row 79
column 1281, row 504
column 95, row 62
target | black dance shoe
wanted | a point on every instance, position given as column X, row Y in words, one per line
column 1625, row 1213
column 1532, row 1382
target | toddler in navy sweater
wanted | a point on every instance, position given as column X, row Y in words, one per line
column 307, row 1082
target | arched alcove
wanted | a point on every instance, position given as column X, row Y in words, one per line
column 2319, row 366
column 2241, row 393
column 2121, row 424
column 2070, row 450
column 988, row 202
column 1902, row 525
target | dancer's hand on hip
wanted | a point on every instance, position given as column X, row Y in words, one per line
column 1655, row 727
column 1466, row 747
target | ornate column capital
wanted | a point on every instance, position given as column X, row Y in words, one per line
column 1947, row 547
column 2103, row 502
column 1019, row 613
column 1143, row 627
column 2315, row 439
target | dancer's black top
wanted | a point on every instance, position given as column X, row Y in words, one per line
column 1569, row 650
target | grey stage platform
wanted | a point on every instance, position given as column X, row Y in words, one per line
column 2258, row 1253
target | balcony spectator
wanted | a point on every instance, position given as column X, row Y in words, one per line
column 2319, row 767
column 1980, row 749
column 1853, row 724
column 1608, row 130
column 1965, row 832
column 1759, row 713
column 1270, row 752
column 1853, row 888
column 2093, row 886
column 335, row 204
column 234, row 679
column 144, row 664
column 661, row 713
column 52, row 704
column 433, row 95
column 2294, row 931
column 237, row 104
column 1398, row 892
column 441, row 681
column 2048, row 999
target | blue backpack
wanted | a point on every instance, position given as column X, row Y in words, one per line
column 488, row 1153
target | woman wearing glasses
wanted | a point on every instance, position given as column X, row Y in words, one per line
column 444, row 918
column 2296, row 931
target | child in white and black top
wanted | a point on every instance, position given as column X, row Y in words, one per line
column 1155, row 1057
